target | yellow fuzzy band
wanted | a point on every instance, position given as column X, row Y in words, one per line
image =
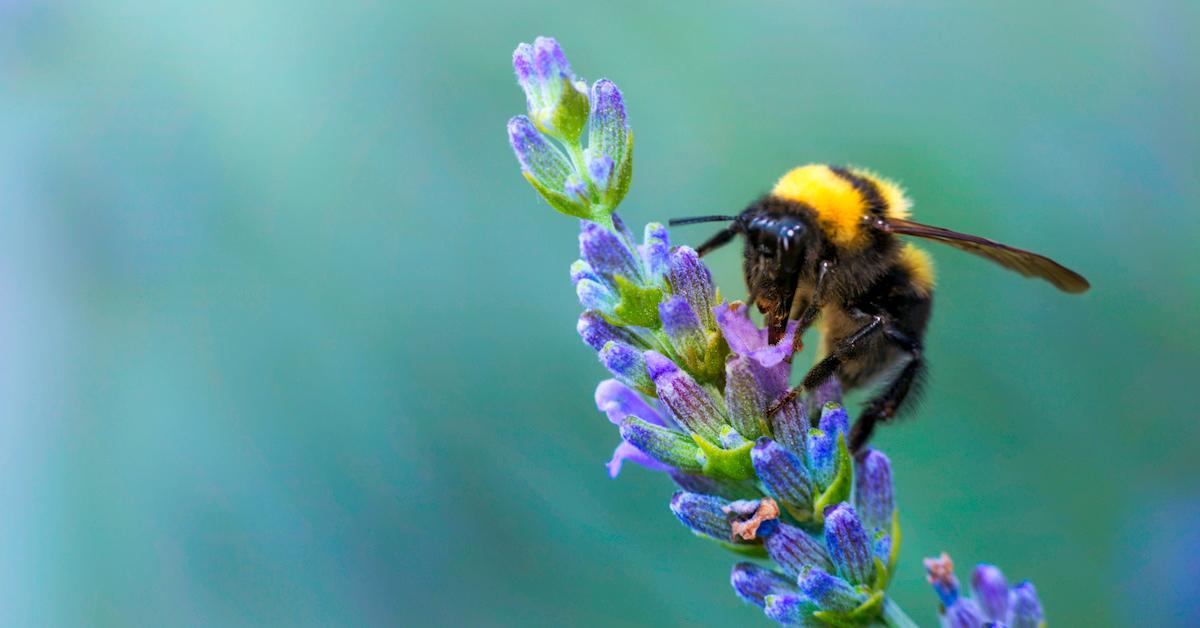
column 839, row 207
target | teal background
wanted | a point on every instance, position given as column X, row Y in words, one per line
column 286, row 339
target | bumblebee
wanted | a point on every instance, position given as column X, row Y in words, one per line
column 822, row 247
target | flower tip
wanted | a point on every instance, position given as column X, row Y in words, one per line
column 1024, row 605
column 848, row 544
column 659, row 365
column 523, row 62
column 753, row 583
column 939, row 572
column 786, row 609
column 991, row 591
column 828, row 591
column 873, row 491
column 555, row 58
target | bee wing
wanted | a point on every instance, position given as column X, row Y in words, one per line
column 1027, row 263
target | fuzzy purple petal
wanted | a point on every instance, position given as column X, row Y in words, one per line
column 618, row 401
column 624, row 452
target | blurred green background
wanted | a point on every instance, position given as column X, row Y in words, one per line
column 286, row 339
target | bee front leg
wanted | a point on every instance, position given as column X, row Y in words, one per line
column 806, row 318
column 821, row 371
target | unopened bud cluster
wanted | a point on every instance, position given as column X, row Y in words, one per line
column 586, row 182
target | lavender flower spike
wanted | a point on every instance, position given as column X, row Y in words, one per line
column 693, row 379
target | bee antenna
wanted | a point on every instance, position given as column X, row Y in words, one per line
column 675, row 222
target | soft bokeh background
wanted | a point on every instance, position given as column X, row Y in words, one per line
column 285, row 339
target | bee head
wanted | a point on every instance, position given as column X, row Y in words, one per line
column 775, row 237
column 773, row 234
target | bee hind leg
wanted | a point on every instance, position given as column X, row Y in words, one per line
column 887, row 404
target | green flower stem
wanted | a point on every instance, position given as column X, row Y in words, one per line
column 894, row 617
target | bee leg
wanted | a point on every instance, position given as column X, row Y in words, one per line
column 885, row 406
column 821, row 371
column 718, row 240
column 806, row 318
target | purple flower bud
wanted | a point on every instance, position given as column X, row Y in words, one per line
column 575, row 188
column 784, row 476
column 848, row 544
column 608, row 129
column 873, row 495
column 789, row 608
column 523, row 65
column 829, row 392
column 882, row 546
column 662, row 444
column 548, row 68
column 627, row 365
column 690, row 279
column 753, row 583
column 557, row 102
column 691, row 405
column 962, row 614
column 600, row 169
column 790, row 427
column 682, row 327
column 538, row 158
column 829, row 592
column 596, row 332
column 627, row 451
column 704, row 514
column 619, row 403
column 834, row 419
column 745, row 398
column 729, row 489
column 607, row 253
column 581, row 270
column 991, row 592
column 656, row 250
column 594, row 295
column 794, row 550
column 823, row 445
column 1024, row 608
